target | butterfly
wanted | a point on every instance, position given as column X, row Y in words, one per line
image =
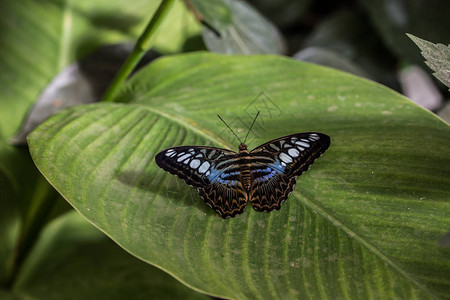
column 227, row 180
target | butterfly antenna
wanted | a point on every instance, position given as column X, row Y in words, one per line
column 230, row 129
column 251, row 126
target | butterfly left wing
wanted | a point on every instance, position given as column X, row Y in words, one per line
column 291, row 156
column 191, row 163
column 207, row 169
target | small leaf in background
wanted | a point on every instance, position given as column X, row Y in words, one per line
column 364, row 222
column 437, row 58
column 242, row 29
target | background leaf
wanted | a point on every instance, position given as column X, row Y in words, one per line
column 242, row 29
column 73, row 249
column 343, row 36
column 364, row 222
column 283, row 13
column 437, row 58
column 392, row 19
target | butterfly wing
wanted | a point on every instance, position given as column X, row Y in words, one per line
column 291, row 156
column 209, row 170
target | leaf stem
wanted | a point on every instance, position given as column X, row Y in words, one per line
column 142, row 45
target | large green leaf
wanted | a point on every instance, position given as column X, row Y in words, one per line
column 364, row 222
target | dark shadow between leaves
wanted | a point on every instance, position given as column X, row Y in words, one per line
column 194, row 43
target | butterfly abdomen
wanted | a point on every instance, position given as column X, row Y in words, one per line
column 244, row 166
column 246, row 176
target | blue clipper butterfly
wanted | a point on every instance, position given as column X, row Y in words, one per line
column 227, row 180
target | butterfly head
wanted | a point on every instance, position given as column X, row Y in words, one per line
column 242, row 147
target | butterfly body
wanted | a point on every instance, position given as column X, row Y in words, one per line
column 227, row 180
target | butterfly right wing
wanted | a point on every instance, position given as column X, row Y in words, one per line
column 290, row 156
column 295, row 153
column 207, row 169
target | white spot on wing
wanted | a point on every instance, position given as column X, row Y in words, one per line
column 286, row 158
column 303, row 144
column 170, row 152
column 274, row 147
column 183, row 157
column 204, row 167
column 314, row 137
column 293, row 152
column 194, row 163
